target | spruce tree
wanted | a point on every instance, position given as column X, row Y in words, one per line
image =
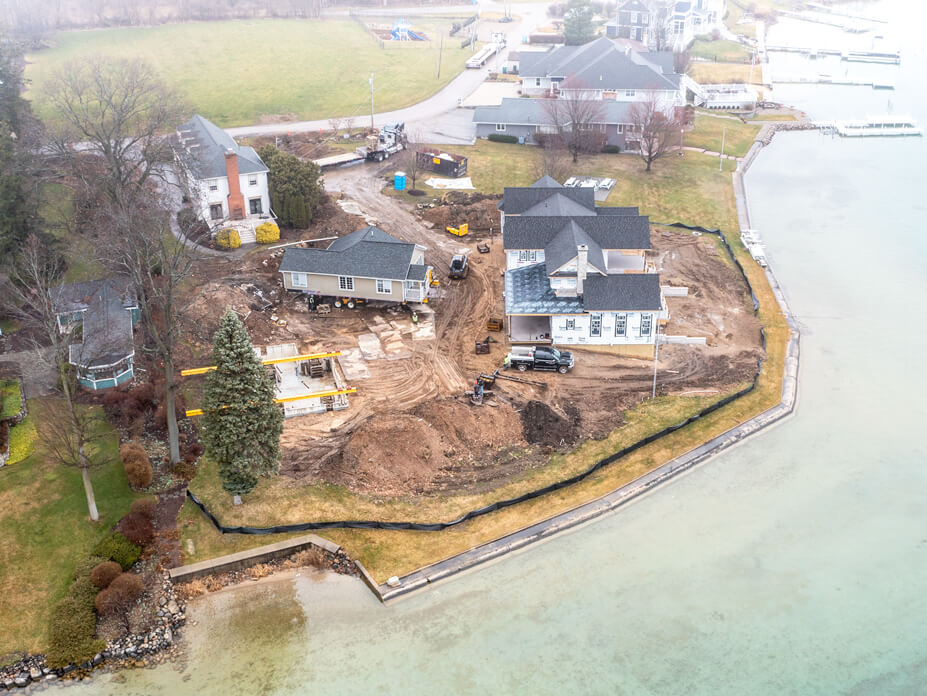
column 241, row 422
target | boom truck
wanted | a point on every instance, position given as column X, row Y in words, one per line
column 390, row 140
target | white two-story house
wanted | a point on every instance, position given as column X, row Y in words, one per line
column 577, row 274
column 226, row 181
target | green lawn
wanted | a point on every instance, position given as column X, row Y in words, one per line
column 722, row 50
column 46, row 531
column 235, row 72
column 708, row 131
column 9, row 397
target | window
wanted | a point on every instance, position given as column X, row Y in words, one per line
column 634, row 18
column 595, row 324
column 252, row 181
column 345, row 283
column 620, row 128
column 621, row 324
column 213, row 185
column 646, row 320
column 298, row 280
column 570, row 324
column 523, row 255
column 255, row 204
column 532, row 256
column 215, row 211
column 537, row 82
column 645, row 19
column 384, row 287
column 500, row 126
column 629, row 93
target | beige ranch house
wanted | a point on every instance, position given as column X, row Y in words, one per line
column 365, row 265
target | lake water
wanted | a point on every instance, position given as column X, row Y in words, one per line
column 795, row 563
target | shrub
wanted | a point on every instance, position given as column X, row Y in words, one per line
column 118, row 597
column 104, row 573
column 136, row 464
column 267, row 233
column 185, row 470
column 611, row 149
column 22, row 439
column 502, row 138
column 137, row 529
column 72, row 623
column 117, row 548
column 228, row 239
column 144, row 507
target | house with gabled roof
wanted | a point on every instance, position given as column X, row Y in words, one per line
column 633, row 21
column 577, row 273
column 368, row 264
column 102, row 313
column 226, row 181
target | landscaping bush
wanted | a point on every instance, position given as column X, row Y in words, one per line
column 104, row 573
column 137, row 529
column 611, row 149
column 228, row 239
column 117, row 548
column 118, row 597
column 185, row 470
column 267, row 233
column 22, row 440
column 73, row 623
column 502, row 138
column 136, row 464
column 144, row 507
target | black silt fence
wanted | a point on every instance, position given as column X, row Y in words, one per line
column 531, row 495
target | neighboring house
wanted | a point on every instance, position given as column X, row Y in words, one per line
column 526, row 118
column 368, row 264
column 691, row 18
column 577, row 274
column 226, row 181
column 105, row 311
column 601, row 70
column 633, row 21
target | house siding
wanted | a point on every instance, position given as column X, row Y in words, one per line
column 580, row 334
column 364, row 288
column 206, row 198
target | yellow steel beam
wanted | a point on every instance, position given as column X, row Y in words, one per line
column 286, row 399
column 269, row 361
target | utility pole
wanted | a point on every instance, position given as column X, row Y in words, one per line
column 721, row 156
column 371, row 100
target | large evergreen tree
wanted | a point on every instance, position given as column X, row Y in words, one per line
column 241, row 422
column 577, row 23
column 295, row 186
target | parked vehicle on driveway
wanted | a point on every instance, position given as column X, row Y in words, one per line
column 460, row 267
column 540, row 358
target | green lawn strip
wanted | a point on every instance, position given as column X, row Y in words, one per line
column 9, row 398
column 46, row 530
column 314, row 69
column 732, row 18
column 708, row 131
column 722, row 50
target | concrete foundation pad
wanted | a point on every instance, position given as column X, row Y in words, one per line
column 370, row 347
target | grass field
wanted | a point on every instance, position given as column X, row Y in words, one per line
column 235, row 72
column 708, row 132
column 46, row 531
column 722, row 73
column 722, row 50
column 689, row 189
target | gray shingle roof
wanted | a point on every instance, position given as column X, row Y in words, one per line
column 609, row 232
column 533, row 112
column 634, row 6
column 206, row 144
column 599, row 64
column 527, row 291
column 107, row 319
column 546, row 182
column 417, row 271
column 367, row 253
column 558, row 205
column 562, row 249
column 632, row 292
column 516, row 201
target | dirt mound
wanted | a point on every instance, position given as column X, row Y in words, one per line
column 541, row 425
column 477, row 210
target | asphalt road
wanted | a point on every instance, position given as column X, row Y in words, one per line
column 437, row 118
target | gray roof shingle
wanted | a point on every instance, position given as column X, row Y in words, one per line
column 107, row 319
column 563, row 248
column 534, row 112
column 632, row 292
column 516, row 200
column 609, row 231
column 366, row 253
column 205, row 145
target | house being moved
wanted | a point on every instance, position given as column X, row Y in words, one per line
column 365, row 265
column 577, row 273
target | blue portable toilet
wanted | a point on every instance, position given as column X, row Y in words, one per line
column 399, row 181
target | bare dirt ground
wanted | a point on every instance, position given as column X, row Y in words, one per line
column 410, row 428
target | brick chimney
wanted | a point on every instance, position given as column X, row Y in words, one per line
column 236, row 200
column 582, row 259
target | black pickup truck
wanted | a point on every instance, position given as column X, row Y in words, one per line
column 540, row 358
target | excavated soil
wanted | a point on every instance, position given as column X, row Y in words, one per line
column 411, row 429
column 477, row 210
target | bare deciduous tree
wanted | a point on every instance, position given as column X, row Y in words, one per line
column 410, row 161
column 656, row 127
column 116, row 115
column 661, row 35
column 578, row 117
column 552, row 161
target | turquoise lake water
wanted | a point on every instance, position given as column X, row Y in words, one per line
column 795, row 563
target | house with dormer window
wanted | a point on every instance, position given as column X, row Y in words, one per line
column 577, row 273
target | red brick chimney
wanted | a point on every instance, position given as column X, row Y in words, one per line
column 236, row 200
